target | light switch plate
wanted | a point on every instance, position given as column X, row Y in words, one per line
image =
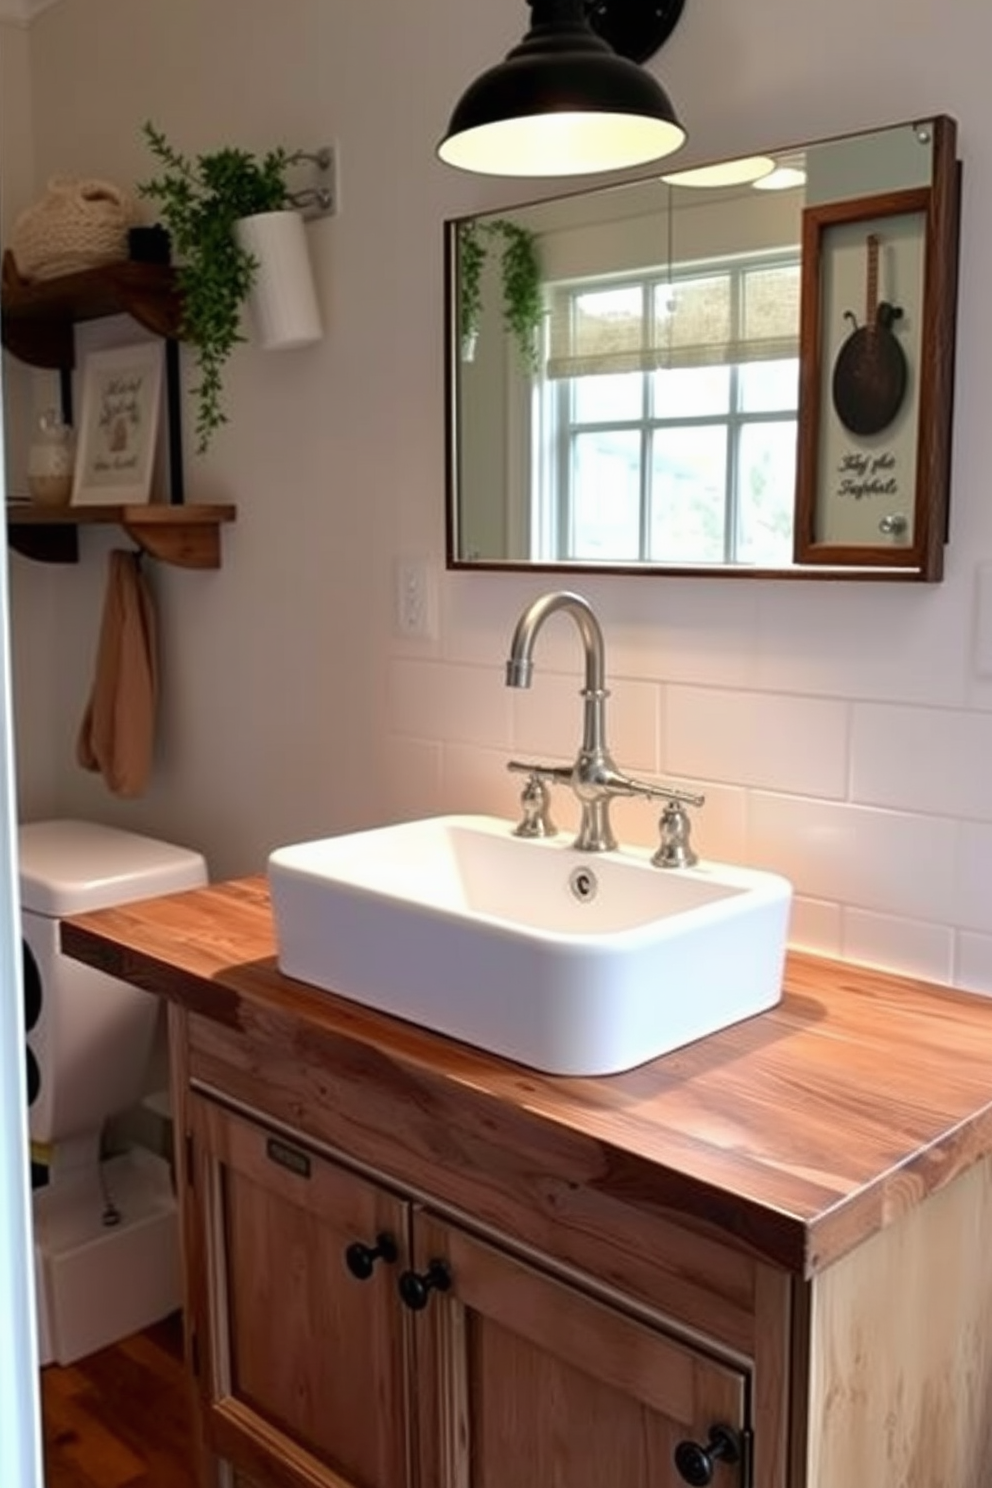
column 415, row 603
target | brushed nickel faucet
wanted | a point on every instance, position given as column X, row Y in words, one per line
column 594, row 778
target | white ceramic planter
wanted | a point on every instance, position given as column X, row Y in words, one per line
column 283, row 303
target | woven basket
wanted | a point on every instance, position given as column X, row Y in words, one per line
column 76, row 225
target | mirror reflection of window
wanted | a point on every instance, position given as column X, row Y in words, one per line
column 668, row 416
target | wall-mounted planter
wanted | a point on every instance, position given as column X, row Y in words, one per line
column 282, row 306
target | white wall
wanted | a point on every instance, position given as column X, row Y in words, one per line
column 842, row 731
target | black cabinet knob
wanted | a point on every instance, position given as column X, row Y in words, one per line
column 696, row 1464
column 360, row 1259
column 416, row 1288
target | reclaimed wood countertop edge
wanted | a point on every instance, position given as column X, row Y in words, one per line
column 802, row 1240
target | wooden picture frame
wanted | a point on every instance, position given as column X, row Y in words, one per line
column 877, row 334
column 120, row 412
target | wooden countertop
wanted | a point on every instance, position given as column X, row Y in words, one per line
column 795, row 1134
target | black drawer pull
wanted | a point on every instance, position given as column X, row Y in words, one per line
column 415, row 1289
column 695, row 1463
column 360, row 1259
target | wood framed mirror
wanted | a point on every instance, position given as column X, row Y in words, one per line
column 666, row 414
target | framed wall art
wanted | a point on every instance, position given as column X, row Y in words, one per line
column 876, row 358
column 118, row 428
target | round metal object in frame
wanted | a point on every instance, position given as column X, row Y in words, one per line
column 869, row 381
column 634, row 28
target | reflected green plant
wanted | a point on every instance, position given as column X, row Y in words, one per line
column 520, row 279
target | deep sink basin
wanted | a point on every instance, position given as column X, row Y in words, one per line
column 571, row 962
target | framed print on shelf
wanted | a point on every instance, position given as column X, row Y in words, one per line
column 876, row 357
column 118, row 426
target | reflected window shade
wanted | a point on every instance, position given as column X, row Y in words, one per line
column 591, row 339
column 770, row 312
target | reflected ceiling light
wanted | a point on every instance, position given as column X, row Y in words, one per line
column 783, row 178
column 563, row 103
column 746, row 171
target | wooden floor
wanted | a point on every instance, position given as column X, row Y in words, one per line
column 119, row 1418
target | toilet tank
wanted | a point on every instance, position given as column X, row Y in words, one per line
column 90, row 1036
column 68, row 867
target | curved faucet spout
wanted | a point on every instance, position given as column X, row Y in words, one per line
column 520, row 666
column 594, row 774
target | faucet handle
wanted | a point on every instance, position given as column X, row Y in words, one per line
column 535, row 803
column 675, row 849
column 535, row 798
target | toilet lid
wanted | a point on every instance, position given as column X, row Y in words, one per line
column 67, row 867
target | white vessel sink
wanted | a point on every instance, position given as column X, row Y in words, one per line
column 570, row 962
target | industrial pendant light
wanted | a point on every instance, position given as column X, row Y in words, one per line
column 564, row 102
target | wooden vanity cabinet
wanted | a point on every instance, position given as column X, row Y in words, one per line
column 517, row 1371
column 446, row 1361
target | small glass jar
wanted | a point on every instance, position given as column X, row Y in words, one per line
column 51, row 457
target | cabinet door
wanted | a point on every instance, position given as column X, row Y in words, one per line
column 302, row 1366
column 526, row 1382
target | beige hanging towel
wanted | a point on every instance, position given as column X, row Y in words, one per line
column 118, row 729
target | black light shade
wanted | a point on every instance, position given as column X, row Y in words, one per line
column 561, row 103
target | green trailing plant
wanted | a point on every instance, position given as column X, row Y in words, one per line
column 200, row 199
column 471, row 262
column 520, row 279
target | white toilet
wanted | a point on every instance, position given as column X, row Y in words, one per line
column 106, row 1232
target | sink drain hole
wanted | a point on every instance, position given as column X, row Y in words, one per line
column 583, row 884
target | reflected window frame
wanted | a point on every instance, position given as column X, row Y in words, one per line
column 554, row 523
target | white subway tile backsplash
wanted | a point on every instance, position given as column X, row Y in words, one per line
column 483, row 611
column 899, row 642
column 438, row 700
column 887, row 861
column 479, row 611
column 634, row 728
column 476, row 780
column 766, row 740
column 815, row 926
column 411, row 778
column 547, row 721
column 681, row 630
column 546, row 718
column 905, row 946
column 672, row 629
column 974, row 963
column 972, row 908
column 634, row 821
column 719, row 827
column 922, row 759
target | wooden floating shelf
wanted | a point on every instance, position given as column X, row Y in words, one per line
column 38, row 326
column 187, row 536
column 39, row 316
